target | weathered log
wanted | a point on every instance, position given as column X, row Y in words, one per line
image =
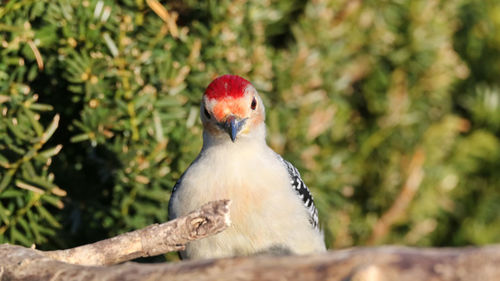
column 153, row 240
column 360, row 264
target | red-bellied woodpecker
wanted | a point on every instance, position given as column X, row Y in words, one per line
column 271, row 206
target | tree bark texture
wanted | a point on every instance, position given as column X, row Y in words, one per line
column 389, row 263
column 359, row 264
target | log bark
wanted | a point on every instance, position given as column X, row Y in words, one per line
column 359, row 264
column 153, row 240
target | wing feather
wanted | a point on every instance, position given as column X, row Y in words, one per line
column 302, row 191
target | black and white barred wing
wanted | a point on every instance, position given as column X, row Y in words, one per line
column 302, row 191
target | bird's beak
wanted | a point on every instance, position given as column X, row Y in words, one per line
column 233, row 126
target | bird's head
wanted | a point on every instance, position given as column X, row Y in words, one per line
column 231, row 108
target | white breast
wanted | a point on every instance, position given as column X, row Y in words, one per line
column 265, row 210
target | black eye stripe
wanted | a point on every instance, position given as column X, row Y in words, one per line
column 206, row 113
column 254, row 104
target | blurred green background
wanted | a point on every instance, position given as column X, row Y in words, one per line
column 390, row 110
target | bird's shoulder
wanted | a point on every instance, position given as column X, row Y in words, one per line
column 301, row 190
column 175, row 189
column 171, row 214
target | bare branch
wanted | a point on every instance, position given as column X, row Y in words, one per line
column 153, row 240
column 361, row 264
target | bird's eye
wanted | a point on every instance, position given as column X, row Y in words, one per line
column 206, row 112
column 254, row 104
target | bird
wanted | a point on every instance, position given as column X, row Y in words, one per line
column 272, row 210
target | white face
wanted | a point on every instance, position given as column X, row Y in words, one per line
column 245, row 112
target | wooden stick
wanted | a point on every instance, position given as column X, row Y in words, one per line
column 153, row 240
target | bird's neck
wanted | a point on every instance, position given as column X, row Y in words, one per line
column 256, row 137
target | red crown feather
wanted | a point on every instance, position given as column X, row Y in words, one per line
column 226, row 86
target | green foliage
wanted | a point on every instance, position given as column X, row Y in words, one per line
column 390, row 110
column 27, row 190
